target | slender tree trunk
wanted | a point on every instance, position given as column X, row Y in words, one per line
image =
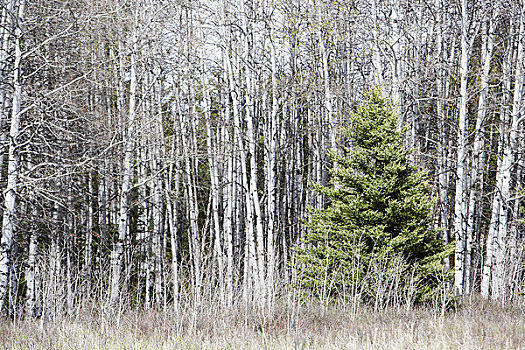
column 6, row 30
column 218, row 252
column 172, row 202
column 32, row 268
column 9, row 216
column 88, row 246
column 460, row 207
column 395, row 18
column 127, row 170
column 229, row 196
column 376, row 48
column 158, row 200
column 271, row 150
column 442, row 161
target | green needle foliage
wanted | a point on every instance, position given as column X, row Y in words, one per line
column 373, row 240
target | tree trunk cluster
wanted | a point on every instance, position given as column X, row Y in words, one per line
column 154, row 152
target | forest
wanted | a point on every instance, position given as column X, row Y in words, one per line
column 170, row 155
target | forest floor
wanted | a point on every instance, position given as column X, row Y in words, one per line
column 475, row 325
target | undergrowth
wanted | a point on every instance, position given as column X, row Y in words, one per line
column 473, row 325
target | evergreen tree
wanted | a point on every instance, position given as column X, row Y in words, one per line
column 378, row 219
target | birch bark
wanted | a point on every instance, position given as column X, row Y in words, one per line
column 10, row 193
column 229, row 197
column 172, row 203
column 218, row 252
column 6, row 29
column 127, row 172
column 442, row 162
column 460, row 207
column 271, row 153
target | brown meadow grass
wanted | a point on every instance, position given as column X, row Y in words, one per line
column 474, row 325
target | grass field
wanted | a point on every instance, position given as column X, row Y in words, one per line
column 475, row 325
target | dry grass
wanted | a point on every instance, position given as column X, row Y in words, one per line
column 477, row 325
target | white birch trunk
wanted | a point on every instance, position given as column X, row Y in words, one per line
column 88, row 246
column 395, row 17
column 215, row 198
column 6, row 27
column 127, row 170
column 460, row 208
column 32, row 266
column 230, row 192
column 229, row 196
column 326, row 84
column 442, row 160
column 271, row 150
column 9, row 216
column 158, row 236
column 157, row 211
column 172, row 203
column 376, row 47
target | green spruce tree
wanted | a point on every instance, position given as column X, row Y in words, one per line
column 378, row 219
